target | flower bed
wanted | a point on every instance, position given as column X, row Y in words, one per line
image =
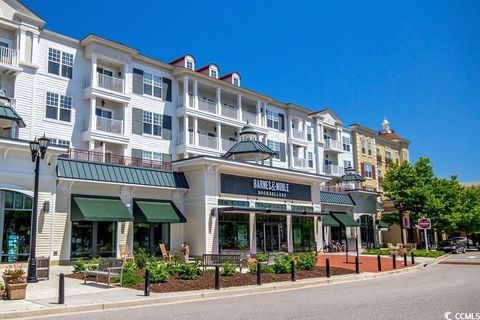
column 176, row 276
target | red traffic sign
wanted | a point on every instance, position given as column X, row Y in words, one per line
column 424, row 223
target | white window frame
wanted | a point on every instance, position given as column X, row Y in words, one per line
column 368, row 170
column 63, row 59
column 310, row 159
column 153, row 81
column 59, row 142
column 363, row 146
column 274, row 117
column 213, row 72
column 347, row 164
column 309, row 133
column 369, row 148
column 62, row 102
column 155, row 120
column 275, row 146
column 346, row 142
column 236, row 81
column 189, row 64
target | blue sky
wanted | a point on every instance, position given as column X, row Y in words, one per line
column 416, row 62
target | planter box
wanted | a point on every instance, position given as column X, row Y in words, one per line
column 16, row 291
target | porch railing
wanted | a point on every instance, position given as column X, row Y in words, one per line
column 110, row 83
column 249, row 117
column 109, row 125
column 8, row 56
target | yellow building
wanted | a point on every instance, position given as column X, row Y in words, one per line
column 373, row 152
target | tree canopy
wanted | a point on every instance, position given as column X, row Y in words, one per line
column 415, row 189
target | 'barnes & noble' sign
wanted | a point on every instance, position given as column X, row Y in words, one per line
column 264, row 188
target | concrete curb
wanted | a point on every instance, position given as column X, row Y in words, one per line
column 207, row 294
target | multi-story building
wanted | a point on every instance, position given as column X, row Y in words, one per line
column 373, row 153
column 119, row 122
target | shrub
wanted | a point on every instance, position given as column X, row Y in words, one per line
column 261, row 257
column 283, row 265
column 141, row 258
column 188, row 271
column 252, row 268
column 228, row 269
column 173, row 266
column 158, row 270
column 306, row 261
column 131, row 278
column 92, row 264
column 79, row 266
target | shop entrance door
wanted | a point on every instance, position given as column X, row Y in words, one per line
column 272, row 233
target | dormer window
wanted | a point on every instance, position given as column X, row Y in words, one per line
column 213, row 72
column 189, row 64
column 236, row 81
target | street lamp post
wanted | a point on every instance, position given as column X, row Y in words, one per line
column 38, row 148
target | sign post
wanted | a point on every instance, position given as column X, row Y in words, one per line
column 425, row 224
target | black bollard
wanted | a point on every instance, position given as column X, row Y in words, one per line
column 259, row 274
column 146, row 291
column 413, row 258
column 61, row 289
column 405, row 259
column 357, row 266
column 394, row 259
column 327, row 267
column 217, row 278
column 293, row 272
column 379, row 262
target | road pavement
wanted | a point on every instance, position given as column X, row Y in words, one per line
column 426, row 294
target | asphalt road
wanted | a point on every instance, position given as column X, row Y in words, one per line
column 425, row 294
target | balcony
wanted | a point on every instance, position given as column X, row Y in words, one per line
column 95, row 156
column 207, row 141
column 110, row 83
column 9, row 60
column 334, row 170
column 227, row 144
column 249, row 117
column 229, row 111
column 109, row 125
column 207, row 105
column 296, row 134
column 298, row 162
column 333, row 145
column 182, row 138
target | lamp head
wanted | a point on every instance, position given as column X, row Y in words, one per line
column 43, row 145
column 34, row 148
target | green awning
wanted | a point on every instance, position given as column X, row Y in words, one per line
column 382, row 224
column 156, row 211
column 345, row 219
column 90, row 208
column 328, row 221
column 7, row 112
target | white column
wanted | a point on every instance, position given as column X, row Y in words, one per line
column 91, row 145
column 289, row 234
column 93, row 118
column 125, row 72
column 219, row 101
column 290, row 155
column 195, row 131
column 94, row 79
column 195, row 94
column 239, row 105
column 290, row 125
column 34, row 48
column 253, row 234
column 186, row 132
column 305, row 158
column 219, row 136
column 22, row 46
column 186, row 101
column 316, row 148
column 304, row 130
column 259, row 113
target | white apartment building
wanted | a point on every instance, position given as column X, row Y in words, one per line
column 118, row 121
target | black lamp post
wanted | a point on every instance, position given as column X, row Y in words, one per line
column 38, row 149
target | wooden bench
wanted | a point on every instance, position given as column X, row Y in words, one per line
column 212, row 260
column 108, row 267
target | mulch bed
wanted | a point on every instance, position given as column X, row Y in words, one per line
column 206, row 281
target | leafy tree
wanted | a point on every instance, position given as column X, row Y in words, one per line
column 410, row 187
column 469, row 216
column 447, row 205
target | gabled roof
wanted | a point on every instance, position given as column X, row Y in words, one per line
column 207, row 66
column 182, row 57
column 24, row 11
column 231, row 74
column 324, row 111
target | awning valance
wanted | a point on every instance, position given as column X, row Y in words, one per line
column 328, row 221
column 233, row 209
column 345, row 219
column 156, row 211
column 90, row 208
column 382, row 224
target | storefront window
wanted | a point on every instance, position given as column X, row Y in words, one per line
column 102, row 234
column 303, row 234
column 271, row 233
column 234, row 231
column 81, row 239
column 15, row 217
column 149, row 235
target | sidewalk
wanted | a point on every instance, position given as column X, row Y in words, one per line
column 42, row 297
column 367, row 263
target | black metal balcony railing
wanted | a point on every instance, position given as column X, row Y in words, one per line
column 94, row 156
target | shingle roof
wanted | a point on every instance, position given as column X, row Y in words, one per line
column 74, row 169
column 336, row 198
column 249, row 146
